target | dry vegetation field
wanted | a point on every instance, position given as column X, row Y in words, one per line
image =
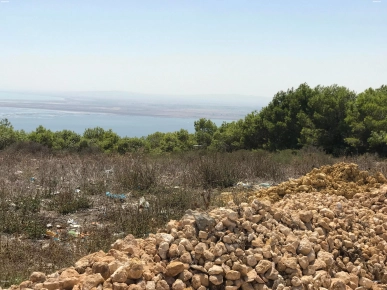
column 54, row 207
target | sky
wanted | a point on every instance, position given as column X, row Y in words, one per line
column 191, row 47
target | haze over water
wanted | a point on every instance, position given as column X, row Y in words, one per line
column 126, row 114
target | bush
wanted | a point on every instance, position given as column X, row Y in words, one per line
column 68, row 202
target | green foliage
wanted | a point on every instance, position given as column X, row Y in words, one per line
column 281, row 118
column 255, row 134
column 42, row 136
column 333, row 119
column 367, row 118
column 204, row 131
column 130, row 145
column 8, row 135
column 105, row 140
column 228, row 137
column 325, row 124
column 66, row 140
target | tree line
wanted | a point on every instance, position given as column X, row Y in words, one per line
column 333, row 118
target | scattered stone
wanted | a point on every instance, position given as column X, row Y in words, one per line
column 174, row 268
column 38, row 277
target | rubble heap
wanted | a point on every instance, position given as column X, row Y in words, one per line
column 339, row 179
column 307, row 240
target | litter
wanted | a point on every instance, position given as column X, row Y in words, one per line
column 108, row 171
column 51, row 234
column 142, row 203
column 73, row 233
column 119, row 235
column 97, row 224
column 116, row 196
column 245, row 185
column 266, row 185
column 73, row 224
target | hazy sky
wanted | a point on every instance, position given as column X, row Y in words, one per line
column 254, row 47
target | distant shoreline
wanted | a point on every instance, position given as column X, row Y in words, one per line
column 135, row 109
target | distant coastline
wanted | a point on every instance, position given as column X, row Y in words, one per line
column 131, row 105
column 132, row 116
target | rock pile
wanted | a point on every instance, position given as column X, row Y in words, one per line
column 307, row 240
column 339, row 179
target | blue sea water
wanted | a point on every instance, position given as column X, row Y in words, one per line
column 124, row 125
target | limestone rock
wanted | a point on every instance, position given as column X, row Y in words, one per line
column 37, row 277
column 174, row 268
column 134, row 269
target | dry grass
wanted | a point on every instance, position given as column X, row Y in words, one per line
column 38, row 187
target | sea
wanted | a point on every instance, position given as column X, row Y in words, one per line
column 124, row 125
column 28, row 119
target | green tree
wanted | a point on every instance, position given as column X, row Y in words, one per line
column 42, row 136
column 153, row 142
column 280, row 120
column 8, row 135
column 130, row 145
column 204, row 131
column 228, row 137
column 170, row 143
column 367, row 118
column 66, row 139
column 186, row 140
column 109, row 141
column 106, row 140
column 255, row 133
column 324, row 126
column 95, row 134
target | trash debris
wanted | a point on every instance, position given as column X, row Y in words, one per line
column 49, row 226
column 73, row 233
column 97, row 224
column 73, row 224
column 108, row 171
column 245, row 185
column 77, row 190
column 119, row 235
column 116, row 196
column 77, row 234
column 266, row 185
column 142, row 203
column 32, row 179
column 51, row 234
column 18, row 172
